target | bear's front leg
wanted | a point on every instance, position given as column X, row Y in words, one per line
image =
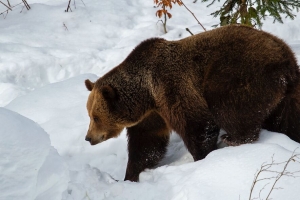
column 147, row 144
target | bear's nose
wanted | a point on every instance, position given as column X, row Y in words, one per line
column 88, row 138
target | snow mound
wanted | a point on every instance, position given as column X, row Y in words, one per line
column 29, row 167
column 60, row 109
column 229, row 171
column 57, row 105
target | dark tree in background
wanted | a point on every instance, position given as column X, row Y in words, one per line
column 252, row 12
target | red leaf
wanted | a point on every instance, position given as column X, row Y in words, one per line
column 169, row 15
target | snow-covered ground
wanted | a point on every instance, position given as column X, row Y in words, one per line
column 45, row 56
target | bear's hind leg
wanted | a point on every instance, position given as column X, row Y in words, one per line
column 237, row 136
column 147, row 145
column 200, row 137
column 242, row 125
column 286, row 117
column 243, row 122
column 241, row 102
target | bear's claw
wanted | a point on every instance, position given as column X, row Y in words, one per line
column 230, row 142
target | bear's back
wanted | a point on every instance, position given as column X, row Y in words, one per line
column 238, row 43
column 237, row 51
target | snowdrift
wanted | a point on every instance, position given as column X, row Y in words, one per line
column 30, row 167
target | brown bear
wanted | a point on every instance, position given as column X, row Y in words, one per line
column 235, row 77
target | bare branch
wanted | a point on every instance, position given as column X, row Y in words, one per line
column 193, row 15
column 263, row 179
column 26, row 4
column 67, row 10
column 263, row 189
column 254, row 182
column 4, row 16
column 188, row 30
column 83, row 3
column 6, row 11
column 66, row 28
column 281, row 173
column 5, row 5
column 266, row 167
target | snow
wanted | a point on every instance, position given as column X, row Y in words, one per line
column 45, row 56
column 30, row 167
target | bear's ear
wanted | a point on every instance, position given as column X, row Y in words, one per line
column 108, row 92
column 89, row 84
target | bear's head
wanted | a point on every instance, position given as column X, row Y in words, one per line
column 107, row 115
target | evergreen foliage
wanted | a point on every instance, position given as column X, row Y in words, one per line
column 251, row 12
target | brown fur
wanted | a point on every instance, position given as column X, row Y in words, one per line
column 235, row 77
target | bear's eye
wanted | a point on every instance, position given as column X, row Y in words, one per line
column 96, row 119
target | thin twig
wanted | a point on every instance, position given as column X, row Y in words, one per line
column 4, row 16
column 12, row 7
column 262, row 189
column 6, row 5
column 6, row 11
column 83, row 3
column 26, row 4
column 267, row 168
column 66, row 28
column 67, row 10
column 281, row 174
column 22, row 9
column 87, row 196
column 193, row 15
column 254, row 182
column 263, row 179
column 188, row 30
